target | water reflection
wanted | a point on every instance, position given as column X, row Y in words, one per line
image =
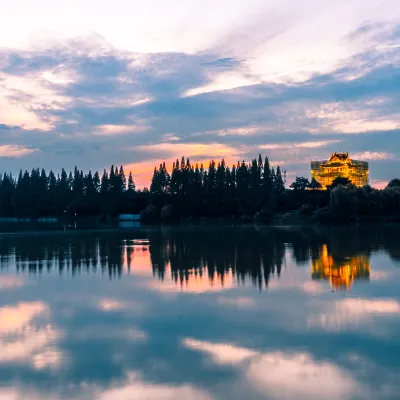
column 118, row 314
column 197, row 259
column 341, row 272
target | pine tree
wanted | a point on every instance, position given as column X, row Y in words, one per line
column 90, row 189
column 52, row 194
column 122, row 179
column 131, row 183
column 155, row 187
column 105, row 184
column 279, row 186
column 96, row 182
column 70, row 182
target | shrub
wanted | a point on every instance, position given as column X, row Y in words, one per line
column 150, row 214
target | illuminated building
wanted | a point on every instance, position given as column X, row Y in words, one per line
column 340, row 165
column 340, row 273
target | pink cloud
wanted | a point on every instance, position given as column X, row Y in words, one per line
column 10, row 150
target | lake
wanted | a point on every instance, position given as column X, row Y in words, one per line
column 200, row 312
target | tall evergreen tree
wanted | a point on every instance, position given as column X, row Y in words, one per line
column 96, row 182
column 131, row 183
column 122, row 178
column 52, row 208
column 279, row 186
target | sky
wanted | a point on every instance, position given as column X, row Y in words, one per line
column 94, row 83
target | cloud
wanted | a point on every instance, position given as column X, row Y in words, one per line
column 372, row 155
column 112, row 130
column 196, row 151
column 226, row 81
column 303, row 145
column 86, row 101
column 10, row 150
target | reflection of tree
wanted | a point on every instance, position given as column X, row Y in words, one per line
column 213, row 255
column 341, row 272
column 65, row 253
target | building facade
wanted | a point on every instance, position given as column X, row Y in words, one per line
column 340, row 165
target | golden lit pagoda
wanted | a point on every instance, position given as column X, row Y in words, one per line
column 341, row 274
column 340, row 165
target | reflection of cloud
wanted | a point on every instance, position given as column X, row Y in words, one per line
column 14, row 318
column 135, row 389
column 369, row 307
column 12, row 393
column 111, row 305
column 238, row 302
column 22, row 341
column 299, row 376
column 33, row 345
column 312, row 287
column 7, row 282
column 113, row 332
column 193, row 286
column 108, row 304
column 350, row 312
column 221, row 353
column 379, row 275
column 283, row 375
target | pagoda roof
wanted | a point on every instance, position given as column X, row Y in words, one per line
column 339, row 157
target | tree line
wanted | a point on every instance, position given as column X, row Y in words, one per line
column 217, row 191
column 245, row 190
column 38, row 194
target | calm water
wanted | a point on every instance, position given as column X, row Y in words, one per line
column 200, row 313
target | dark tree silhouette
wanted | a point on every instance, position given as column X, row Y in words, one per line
column 244, row 190
column 315, row 185
column 339, row 181
column 300, row 184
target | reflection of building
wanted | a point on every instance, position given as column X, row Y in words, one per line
column 341, row 165
column 341, row 273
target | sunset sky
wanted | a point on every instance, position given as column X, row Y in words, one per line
column 98, row 82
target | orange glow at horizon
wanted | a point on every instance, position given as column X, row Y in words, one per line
column 142, row 172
